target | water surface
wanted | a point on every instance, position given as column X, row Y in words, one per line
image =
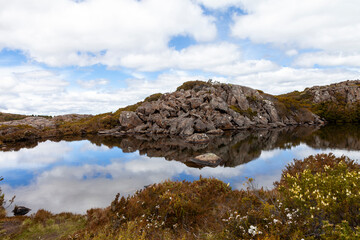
column 78, row 174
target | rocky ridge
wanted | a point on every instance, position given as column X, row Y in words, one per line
column 347, row 92
column 210, row 108
column 44, row 122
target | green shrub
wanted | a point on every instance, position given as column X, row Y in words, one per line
column 153, row 97
column 322, row 188
column 192, row 84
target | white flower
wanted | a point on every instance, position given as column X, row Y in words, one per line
column 252, row 230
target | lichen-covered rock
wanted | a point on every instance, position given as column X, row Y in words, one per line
column 129, row 120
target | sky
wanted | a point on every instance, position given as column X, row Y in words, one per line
column 94, row 56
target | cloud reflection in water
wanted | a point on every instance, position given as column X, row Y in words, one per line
column 76, row 176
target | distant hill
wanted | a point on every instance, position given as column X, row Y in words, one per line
column 4, row 117
column 338, row 102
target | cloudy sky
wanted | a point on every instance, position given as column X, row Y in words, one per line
column 94, row 56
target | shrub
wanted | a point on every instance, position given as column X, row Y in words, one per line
column 322, row 188
column 192, row 84
column 153, row 97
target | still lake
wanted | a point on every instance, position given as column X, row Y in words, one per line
column 76, row 174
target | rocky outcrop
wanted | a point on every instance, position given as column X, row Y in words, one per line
column 347, row 92
column 35, row 122
column 44, row 122
column 211, row 108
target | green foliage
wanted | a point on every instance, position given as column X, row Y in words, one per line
column 340, row 231
column 153, row 97
column 172, row 205
column 322, row 188
column 44, row 225
column 316, row 198
column 192, row 84
column 338, row 112
column 88, row 125
column 4, row 117
column 251, row 99
column 331, row 111
column 248, row 112
column 236, row 109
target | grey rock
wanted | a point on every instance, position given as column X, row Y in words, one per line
column 195, row 102
column 186, row 127
column 218, row 103
column 223, row 122
column 129, row 120
column 199, row 125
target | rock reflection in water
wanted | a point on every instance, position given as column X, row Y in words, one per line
column 89, row 173
column 234, row 148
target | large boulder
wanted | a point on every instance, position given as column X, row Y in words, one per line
column 199, row 126
column 219, row 104
column 129, row 120
column 186, row 127
column 223, row 121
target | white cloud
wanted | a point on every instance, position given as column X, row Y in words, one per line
column 65, row 32
column 291, row 52
column 221, row 58
column 328, row 59
column 244, row 67
column 200, row 56
column 216, row 4
column 33, row 90
column 38, row 157
column 288, row 79
column 92, row 83
column 303, row 151
column 329, row 25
